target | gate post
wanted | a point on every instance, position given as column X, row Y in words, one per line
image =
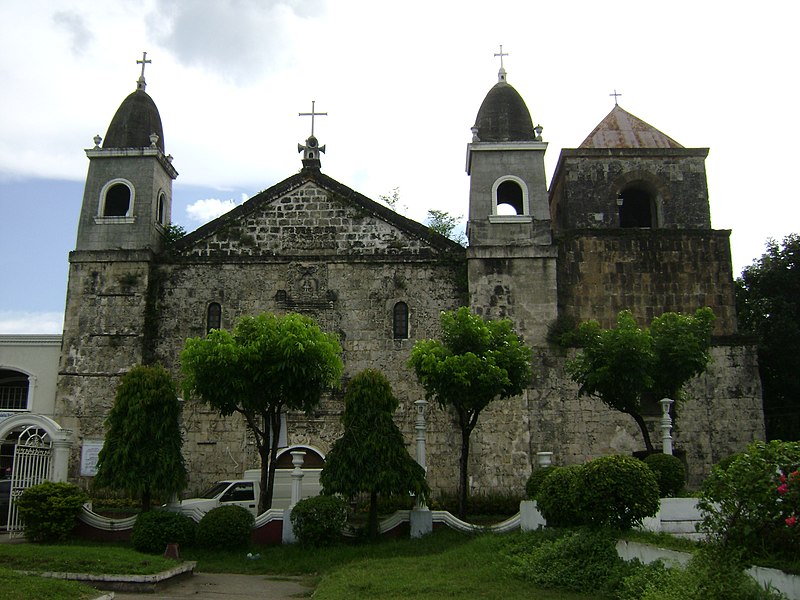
column 61, row 448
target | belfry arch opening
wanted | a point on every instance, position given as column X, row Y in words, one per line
column 637, row 207
column 509, row 199
column 117, row 201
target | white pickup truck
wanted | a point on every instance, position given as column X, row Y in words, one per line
column 246, row 492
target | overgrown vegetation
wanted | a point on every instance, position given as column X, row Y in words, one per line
column 768, row 305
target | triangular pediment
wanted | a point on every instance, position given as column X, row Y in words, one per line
column 621, row 129
column 311, row 214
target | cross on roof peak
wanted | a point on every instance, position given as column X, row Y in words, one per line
column 616, row 95
column 140, row 84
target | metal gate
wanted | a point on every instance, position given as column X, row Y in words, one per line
column 31, row 467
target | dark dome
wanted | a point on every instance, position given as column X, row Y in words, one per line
column 503, row 116
column 137, row 117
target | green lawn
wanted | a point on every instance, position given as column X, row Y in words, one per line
column 445, row 564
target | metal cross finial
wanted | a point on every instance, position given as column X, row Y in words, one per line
column 615, row 94
column 312, row 114
column 501, row 54
column 140, row 84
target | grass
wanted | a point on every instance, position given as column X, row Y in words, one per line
column 25, row 587
column 454, row 564
column 84, row 557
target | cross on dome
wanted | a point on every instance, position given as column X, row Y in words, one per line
column 140, row 84
column 501, row 74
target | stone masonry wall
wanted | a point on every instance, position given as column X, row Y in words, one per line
column 601, row 272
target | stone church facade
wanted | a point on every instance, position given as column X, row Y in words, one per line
column 625, row 224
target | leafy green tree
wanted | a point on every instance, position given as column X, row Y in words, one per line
column 475, row 362
column 371, row 455
column 142, row 449
column 444, row 223
column 768, row 305
column 622, row 366
column 267, row 365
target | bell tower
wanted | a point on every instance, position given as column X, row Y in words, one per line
column 109, row 323
column 510, row 259
column 127, row 200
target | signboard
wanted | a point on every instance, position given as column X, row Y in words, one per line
column 89, row 452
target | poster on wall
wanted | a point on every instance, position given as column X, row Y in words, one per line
column 89, row 452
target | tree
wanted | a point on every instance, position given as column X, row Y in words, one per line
column 444, row 223
column 475, row 362
column 768, row 305
column 142, row 449
column 371, row 455
column 267, row 365
column 621, row 366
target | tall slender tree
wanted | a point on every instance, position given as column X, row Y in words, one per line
column 371, row 455
column 267, row 365
column 142, row 449
column 476, row 362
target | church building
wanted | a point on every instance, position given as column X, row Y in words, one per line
column 624, row 224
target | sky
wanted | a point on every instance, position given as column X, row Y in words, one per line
column 401, row 83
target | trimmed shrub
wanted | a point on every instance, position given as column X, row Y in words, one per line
column 557, row 495
column 669, row 471
column 535, row 481
column 154, row 529
column 49, row 510
column 742, row 506
column 616, row 491
column 491, row 504
column 318, row 521
column 226, row 528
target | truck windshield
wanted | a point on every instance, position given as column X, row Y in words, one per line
column 216, row 489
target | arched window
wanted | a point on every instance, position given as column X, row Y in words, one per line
column 161, row 210
column 14, row 388
column 636, row 207
column 117, row 201
column 400, row 321
column 213, row 316
column 510, row 197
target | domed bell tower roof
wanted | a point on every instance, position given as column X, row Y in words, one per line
column 136, row 119
column 503, row 116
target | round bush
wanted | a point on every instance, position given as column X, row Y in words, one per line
column 226, row 528
column 669, row 471
column 49, row 510
column 535, row 481
column 556, row 496
column 154, row 529
column 617, row 491
column 318, row 521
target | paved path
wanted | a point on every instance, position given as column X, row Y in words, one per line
column 216, row 586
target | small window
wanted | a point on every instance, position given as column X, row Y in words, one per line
column 213, row 316
column 117, row 201
column 162, row 201
column 14, row 387
column 400, row 321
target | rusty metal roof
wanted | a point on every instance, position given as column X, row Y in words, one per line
column 621, row 129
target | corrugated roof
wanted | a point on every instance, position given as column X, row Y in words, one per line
column 621, row 129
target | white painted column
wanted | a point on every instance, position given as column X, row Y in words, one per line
column 61, row 444
column 666, row 425
column 287, row 533
column 421, row 517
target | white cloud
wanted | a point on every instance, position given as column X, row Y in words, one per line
column 203, row 211
column 74, row 25
column 27, row 322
